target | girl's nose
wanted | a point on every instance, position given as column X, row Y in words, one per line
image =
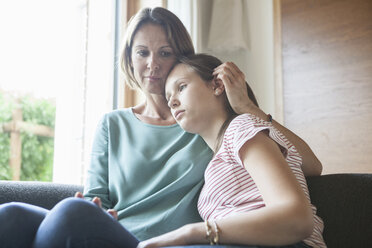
column 172, row 103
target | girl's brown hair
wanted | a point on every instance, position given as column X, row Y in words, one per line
column 204, row 65
column 177, row 35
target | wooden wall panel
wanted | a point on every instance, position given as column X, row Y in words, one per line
column 327, row 79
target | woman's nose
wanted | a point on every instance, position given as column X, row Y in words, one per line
column 152, row 63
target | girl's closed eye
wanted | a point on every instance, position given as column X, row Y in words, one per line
column 182, row 87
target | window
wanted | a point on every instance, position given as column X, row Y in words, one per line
column 60, row 56
column 93, row 87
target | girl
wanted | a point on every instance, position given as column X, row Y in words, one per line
column 255, row 192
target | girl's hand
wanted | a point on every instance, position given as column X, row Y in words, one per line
column 186, row 235
column 173, row 238
column 97, row 201
column 235, row 87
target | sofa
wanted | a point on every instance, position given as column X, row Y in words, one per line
column 344, row 202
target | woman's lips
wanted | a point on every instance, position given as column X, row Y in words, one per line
column 178, row 114
column 153, row 79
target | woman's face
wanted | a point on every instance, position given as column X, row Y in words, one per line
column 191, row 99
column 152, row 58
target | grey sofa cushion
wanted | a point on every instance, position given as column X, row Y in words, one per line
column 43, row 194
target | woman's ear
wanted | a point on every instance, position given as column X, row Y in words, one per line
column 218, row 86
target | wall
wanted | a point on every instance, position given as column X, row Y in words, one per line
column 260, row 59
column 327, row 68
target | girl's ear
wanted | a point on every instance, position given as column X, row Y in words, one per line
column 218, row 86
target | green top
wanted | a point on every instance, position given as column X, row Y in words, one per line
column 151, row 175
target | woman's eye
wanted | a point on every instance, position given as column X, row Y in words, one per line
column 165, row 53
column 142, row 53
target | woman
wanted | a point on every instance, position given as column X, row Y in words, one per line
column 143, row 164
column 141, row 156
column 255, row 192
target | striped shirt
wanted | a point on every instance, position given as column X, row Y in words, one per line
column 230, row 189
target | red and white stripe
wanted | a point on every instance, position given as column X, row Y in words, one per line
column 229, row 188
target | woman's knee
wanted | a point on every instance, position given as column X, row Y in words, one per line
column 80, row 222
column 11, row 208
column 72, row 213
column 75, row 207
column 19, row 211
column 19, row 218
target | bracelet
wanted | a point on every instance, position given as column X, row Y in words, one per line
column 212, row 240
column 208, row 231
column 270, row 118
column 216, row 231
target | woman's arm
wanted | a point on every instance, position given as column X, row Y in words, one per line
column 311, row 166
column 286, row 219
column 235, row 85
column 96, row 184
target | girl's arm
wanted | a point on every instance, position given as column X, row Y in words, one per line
column 235, row 85
column 286, row 219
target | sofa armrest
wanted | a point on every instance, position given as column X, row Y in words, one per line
column 344, row 202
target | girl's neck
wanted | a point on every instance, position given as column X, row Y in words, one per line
column 221, row 133
column 216, row 128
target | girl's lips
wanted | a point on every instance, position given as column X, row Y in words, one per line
column 178, row 114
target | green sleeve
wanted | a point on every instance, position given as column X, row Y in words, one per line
column 97, row 174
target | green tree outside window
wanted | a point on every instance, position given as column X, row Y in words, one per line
column 37, row 151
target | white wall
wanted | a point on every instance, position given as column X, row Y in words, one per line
column 259, row 66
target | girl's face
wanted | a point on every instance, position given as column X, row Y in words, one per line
column 152, row 58
column 191, row 99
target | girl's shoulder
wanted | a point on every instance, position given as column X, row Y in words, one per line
column 246, row 126
column 242, row 128
column 247, row 122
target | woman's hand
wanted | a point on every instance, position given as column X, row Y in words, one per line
column 97, row 201
column 236, row 88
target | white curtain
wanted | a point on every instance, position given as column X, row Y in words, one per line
column 229, row 29
column 214, row 25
